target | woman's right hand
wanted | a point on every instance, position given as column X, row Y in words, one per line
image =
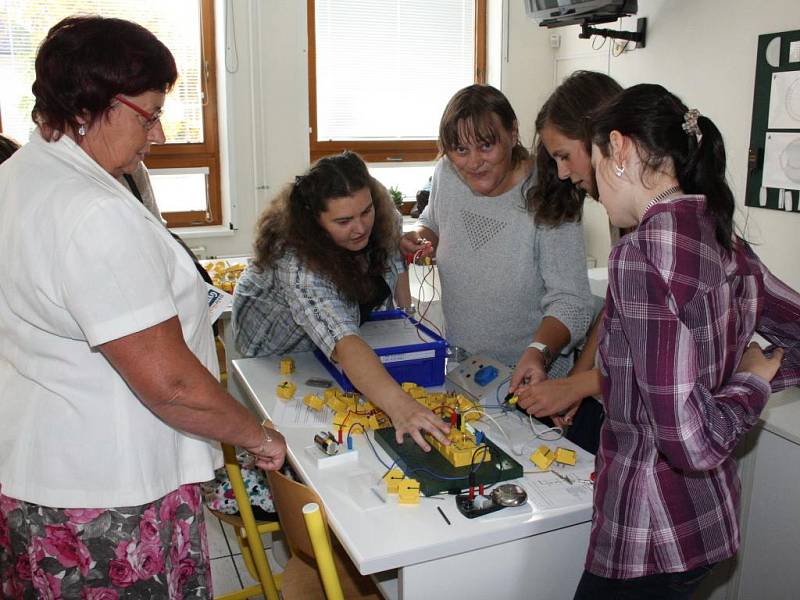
column 754, row 361
column 412, row 243
column 410, row 417
column 269, row 454
column 549, row 397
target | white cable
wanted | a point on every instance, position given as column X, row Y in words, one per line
column 516, row 449
column 558, row 431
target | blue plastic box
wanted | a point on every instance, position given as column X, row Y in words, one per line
column 421, row 363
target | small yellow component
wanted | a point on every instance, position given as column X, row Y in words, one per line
column 287, row 366
column 314, row 402
column 462, row 449
column 392, row 480
column 543, row 457
column 565, row 456
column 513, row 400
column 286, row 390
column 408, row 386
column 336, row 403
column 342, row 420
column 408, row 491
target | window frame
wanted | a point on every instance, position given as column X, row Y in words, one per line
column 206, row 153
column 381, row 151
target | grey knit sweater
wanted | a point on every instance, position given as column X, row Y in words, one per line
column 501, row 273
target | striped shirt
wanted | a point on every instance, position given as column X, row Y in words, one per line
column 290, row 308
column 679, row 314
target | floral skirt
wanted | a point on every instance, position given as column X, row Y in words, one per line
column 158, row 550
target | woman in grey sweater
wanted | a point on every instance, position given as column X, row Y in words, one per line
column 512, row 288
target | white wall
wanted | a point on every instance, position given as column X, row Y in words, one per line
column 266, row 97
column 705, row 52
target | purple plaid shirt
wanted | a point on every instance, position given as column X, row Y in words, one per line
column 679, row 314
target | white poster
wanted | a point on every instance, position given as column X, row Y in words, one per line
column 782, row 161
column 784, row 101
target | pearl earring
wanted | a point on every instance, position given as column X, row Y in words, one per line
column 619, row 170
column 82, row 130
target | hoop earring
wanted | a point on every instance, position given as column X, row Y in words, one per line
column 82, row 130
column 619, row 170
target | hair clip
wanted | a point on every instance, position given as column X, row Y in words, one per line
column 690, row 125
column 298, row 179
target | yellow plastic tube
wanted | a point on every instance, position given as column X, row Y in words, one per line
column 322, row 550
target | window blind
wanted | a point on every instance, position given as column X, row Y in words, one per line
column 24, row 24
column 385, row 69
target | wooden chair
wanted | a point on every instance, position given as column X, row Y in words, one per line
column 248, row 534
column 317, row 568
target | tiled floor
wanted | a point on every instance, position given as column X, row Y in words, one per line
column 227, row 565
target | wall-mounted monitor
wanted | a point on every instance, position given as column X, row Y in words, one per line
column 559, row 13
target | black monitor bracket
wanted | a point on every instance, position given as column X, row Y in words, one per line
column 637, row 36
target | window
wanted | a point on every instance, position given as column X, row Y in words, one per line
column 187, row 166
column 382, row 71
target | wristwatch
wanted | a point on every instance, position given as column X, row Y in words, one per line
column 546, row 354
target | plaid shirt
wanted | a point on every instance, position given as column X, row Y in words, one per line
column 679, row 314
column 290, row 308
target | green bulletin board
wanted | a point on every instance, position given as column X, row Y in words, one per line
column 773, row 173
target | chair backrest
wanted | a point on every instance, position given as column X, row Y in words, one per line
column 290, row 496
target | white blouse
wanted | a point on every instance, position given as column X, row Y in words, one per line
column 85, row 263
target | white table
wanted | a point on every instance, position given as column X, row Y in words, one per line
column 532, row 551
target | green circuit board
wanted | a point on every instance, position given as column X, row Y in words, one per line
column 421, row 465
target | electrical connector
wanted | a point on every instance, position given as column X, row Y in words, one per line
column 543, row 457
column 285, row 390
column 565, row 456
column 314, row 402
column 287, row 366
column 408, row 491
column 392, row 480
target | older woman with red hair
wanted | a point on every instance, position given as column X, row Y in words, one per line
column 110, row 409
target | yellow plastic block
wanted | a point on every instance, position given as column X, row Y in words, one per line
column 330, row 393
column 408, row 386
column 337, row 404
column 286, row 390
column 565, row 456
column 543, row 457
column 408, row 491
column 513, row 400
column 350, row 399
column 287, row 366
column 417, row 393
column 314, row 402
column 340, row 419
column 461, row 449
column 392, row 480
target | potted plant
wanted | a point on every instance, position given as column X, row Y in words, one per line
column 397, row 197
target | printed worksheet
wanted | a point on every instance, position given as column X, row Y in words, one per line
column 294, row 413
column 784, row 101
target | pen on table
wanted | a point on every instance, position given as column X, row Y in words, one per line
column 444, row 516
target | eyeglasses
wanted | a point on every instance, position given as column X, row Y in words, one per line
column 150, row 119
